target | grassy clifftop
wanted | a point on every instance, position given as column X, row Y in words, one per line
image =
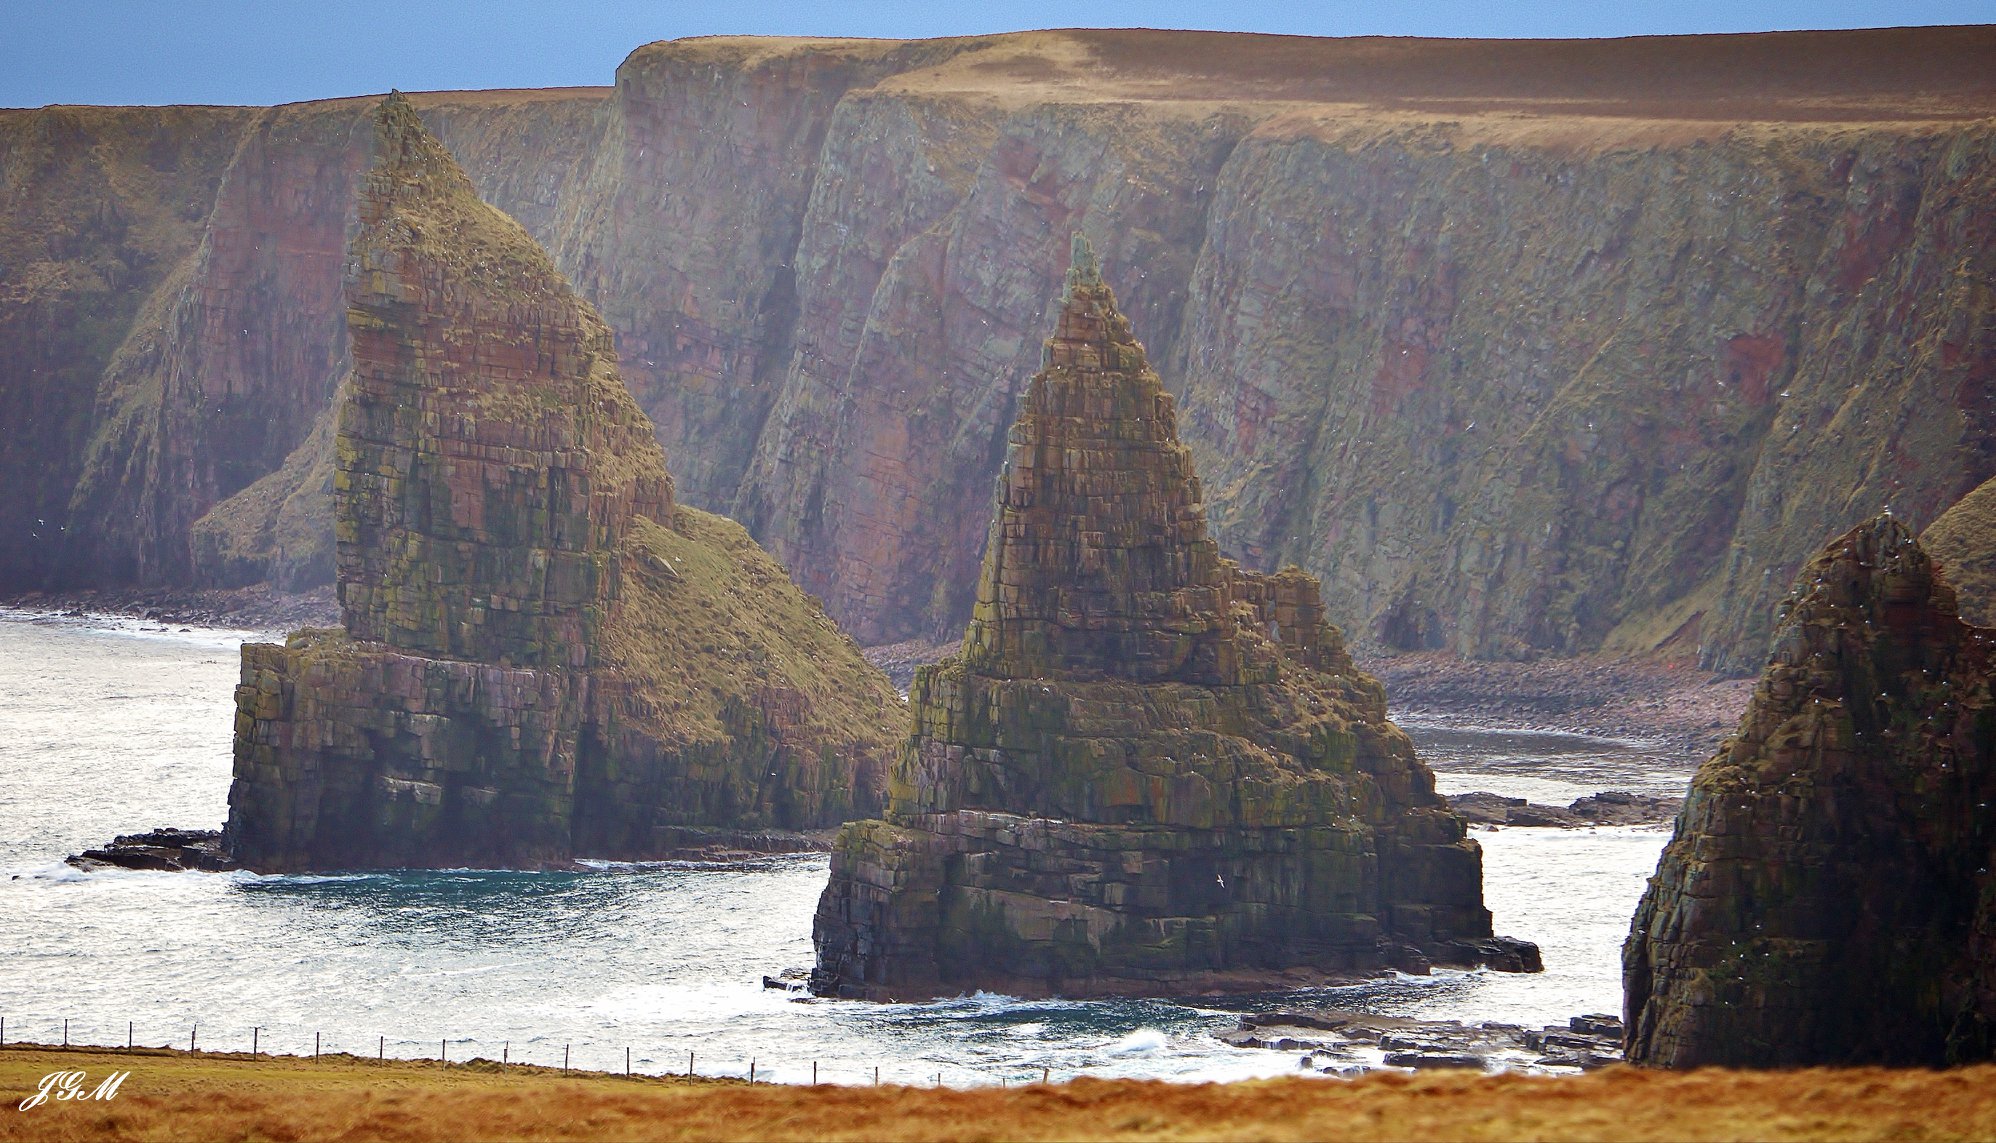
column 172, row 1095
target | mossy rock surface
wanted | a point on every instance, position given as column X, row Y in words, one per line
column 542, row 656
column 1148, row 769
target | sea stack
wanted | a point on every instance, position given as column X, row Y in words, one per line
column 542, row 655
column 1827, row 898
column 1147, row 770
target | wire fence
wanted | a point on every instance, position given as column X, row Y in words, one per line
column 539, row 1055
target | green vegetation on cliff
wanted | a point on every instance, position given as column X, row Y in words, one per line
column 542, row 657
column 1963, row 543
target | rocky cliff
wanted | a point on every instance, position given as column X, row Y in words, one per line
column 190, row 441
column 1521, row 347
column 1148, row 769
column 1827, row 898
column 542, row 656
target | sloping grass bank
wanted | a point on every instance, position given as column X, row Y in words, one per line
column 175, row 1095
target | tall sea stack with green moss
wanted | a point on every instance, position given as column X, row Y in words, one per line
column 542, row 655
column 1827, row 899
column 1147, row 769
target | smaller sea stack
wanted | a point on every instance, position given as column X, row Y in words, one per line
column 1148, row 770
column 1827, row 898
column 542, row 655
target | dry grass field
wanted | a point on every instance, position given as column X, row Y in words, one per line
column 173, row 1095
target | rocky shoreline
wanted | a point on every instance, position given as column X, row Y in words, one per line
column 1667, row 703
column 1344, row 1043
column 1609, row 807
column 259, row 608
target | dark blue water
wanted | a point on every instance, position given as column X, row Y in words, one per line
column 113, row 726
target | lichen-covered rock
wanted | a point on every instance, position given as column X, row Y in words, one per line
column 1827, row 898
column 1148, row 769
column 541, row 655
column 1963, row 543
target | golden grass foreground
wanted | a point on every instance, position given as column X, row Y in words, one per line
column 175, row 1095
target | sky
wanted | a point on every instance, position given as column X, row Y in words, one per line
column 281, row 51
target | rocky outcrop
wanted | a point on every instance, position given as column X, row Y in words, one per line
column 542, row 656
column 1608, row 807
column 1963, row 545
column 1148, row 769
column 1827, row 898
column 1522, row 348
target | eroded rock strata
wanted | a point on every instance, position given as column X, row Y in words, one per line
column 1148, row 768
column 1521, row 347
column 1827, row 898
column 542, row 655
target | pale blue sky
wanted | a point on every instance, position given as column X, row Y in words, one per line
column 277, row 51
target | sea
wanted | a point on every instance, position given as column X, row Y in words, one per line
column 113, row 725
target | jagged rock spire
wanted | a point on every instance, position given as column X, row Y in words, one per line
column 1083, row 270
column 491, row 457
column 1098, row 563
column 1149, row 770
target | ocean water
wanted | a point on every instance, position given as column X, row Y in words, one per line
column 112, row 726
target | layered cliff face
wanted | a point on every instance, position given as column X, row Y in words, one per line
column 1827, row 898
column 1147, row 768
column 542, row 656
column 190, row 441
column 1963, row 543
column 98, row 207
column 1522, row 347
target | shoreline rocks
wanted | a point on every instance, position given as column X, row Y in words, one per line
column 1346, row 1043
column 1609, row 807
column 165, row 849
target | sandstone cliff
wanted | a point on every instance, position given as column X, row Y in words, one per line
column 1827, row 898
column 1522, row 347
column 542, row 655
column 1963, row 543
column 1148, row 769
